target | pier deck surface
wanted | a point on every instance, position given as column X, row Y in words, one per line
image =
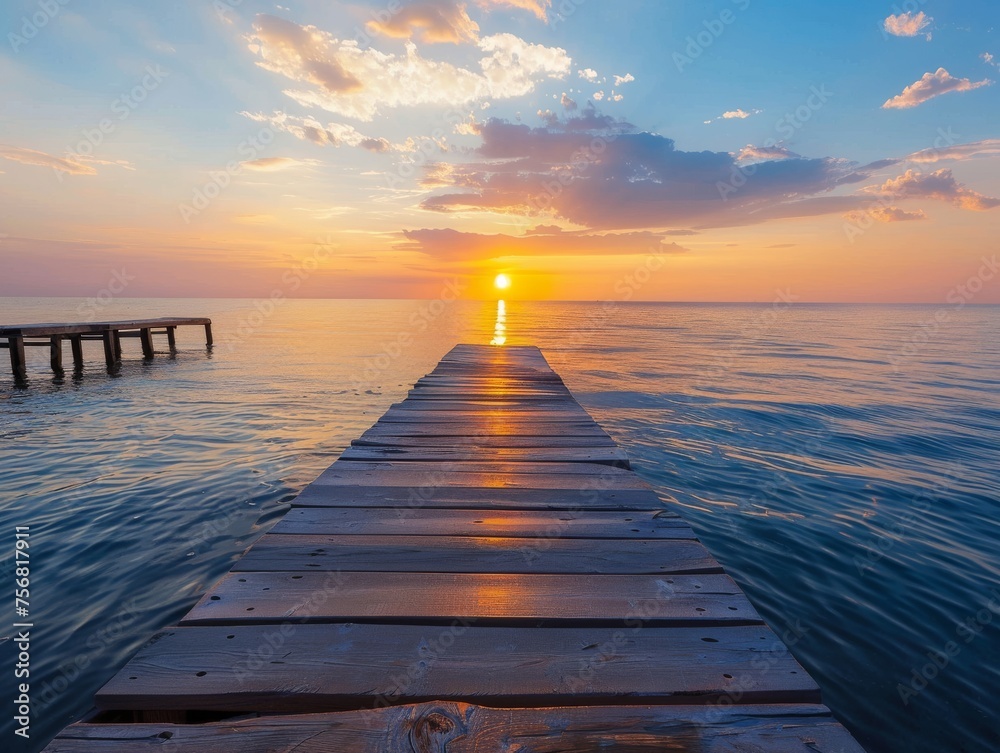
column 480, row 571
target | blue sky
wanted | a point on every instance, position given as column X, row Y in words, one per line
column 706, row 89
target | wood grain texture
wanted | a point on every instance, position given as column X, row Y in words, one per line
column 467, row 554
column 461, row 728
column 408, row 499
column 354, row 521
column 330, row 667
column 435, row 598
column 387, row 438
column 611, row 456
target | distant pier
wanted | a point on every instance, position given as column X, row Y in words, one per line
column 480, row 572
column 51, row 336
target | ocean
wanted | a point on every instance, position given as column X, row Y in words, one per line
column 841, row 461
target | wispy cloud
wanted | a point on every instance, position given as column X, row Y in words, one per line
column 429, row 21
column 985, row 148
column 42, row 159
column 360, row 83
column 272, row 164
column 929, row 86
column 940, row 185
column 539, row 7
column 908, row 24
column 331, row 134
column 541, row 241
column 737, row 114
column 751, row 153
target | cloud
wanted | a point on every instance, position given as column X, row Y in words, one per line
column 538, row 7
column 272, row 164
column 985, row 148
column 599, row 173
column 737, row 114
column 908, row 24
column 360, row 83
column 541, row 241
column 940, row 185
column 895, row 214
column 751, row 153
column 588, row 74
column 626, row 79
column 929, row 86
column 431, row 21
column 331, row 134
column 567, row 102
column 70, row 166
column 989, row 59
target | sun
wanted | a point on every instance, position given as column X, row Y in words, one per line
column 502, row 282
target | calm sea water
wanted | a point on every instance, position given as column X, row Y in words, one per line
column 841, row 461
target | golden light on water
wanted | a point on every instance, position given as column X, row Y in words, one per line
column 502, row 282
column 500, row 328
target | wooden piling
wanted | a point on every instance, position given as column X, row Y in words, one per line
column 76, row 343
column 145, row 335
column 17, row 361
column 485, row 543
column 17, row 338
column 55, row 354
column 209, row 342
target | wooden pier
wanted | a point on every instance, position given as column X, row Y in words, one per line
column 480, row 571
column 51, row 336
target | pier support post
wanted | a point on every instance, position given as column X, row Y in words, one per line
column 76, row 342
column 17, row 362
column 146, row 337
column 55, row 353
column 172, row 339
column 116, row 338
column 208, row 335
column 110, row 356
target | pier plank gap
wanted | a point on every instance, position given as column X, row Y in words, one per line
column 480, row 571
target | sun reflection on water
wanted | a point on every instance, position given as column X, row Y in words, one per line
column 500, row 328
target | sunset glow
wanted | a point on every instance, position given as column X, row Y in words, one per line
column 502, row 282
column 370, row 151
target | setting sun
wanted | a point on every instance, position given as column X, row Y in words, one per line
column 502, row 282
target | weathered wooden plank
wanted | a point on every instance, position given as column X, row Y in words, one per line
column 509, row 441
column 500, row 599
column 461, row 728
column 494, row 407
column 480, row 417
column 368, row 521
column 471, row 473
column 470, row 554
column 328, row 667
column 612, row 456
column 407, row 499
column 77, row 328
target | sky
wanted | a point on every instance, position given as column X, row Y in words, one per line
column 725, row 150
